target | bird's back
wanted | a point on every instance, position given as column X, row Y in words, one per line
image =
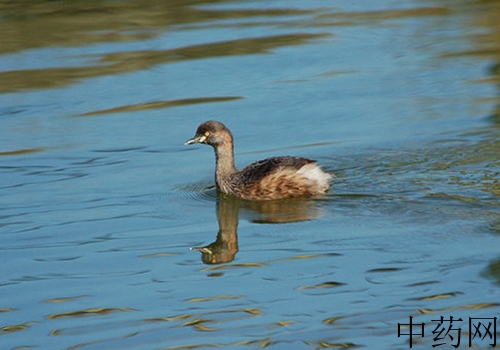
column 280, row 177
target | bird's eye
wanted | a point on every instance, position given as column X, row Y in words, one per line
column 207, row 133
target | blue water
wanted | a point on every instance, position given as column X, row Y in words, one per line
column 101, row 203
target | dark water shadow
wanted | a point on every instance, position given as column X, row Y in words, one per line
column 160, row 105
column 229, row 208
column 115, row 63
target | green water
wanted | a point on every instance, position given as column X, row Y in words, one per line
column 113, row 236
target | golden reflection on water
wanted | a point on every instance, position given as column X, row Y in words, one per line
column 477, row 306
column 160, row 104
column 74, row 23
column 14, row 328
column 22, row 151
column 79, row 24
column 485, row 44
column 124, row 62
column 373, row 17
column 88, row 312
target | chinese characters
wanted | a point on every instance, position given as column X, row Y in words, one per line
column 446, row 331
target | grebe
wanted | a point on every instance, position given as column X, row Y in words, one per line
column 267, row 179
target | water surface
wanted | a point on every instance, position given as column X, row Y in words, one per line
column 101, row 203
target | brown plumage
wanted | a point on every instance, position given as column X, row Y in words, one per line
column 271, row 178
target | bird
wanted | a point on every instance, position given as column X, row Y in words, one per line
column 273, row 178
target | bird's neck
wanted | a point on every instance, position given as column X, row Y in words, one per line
column 224, row 163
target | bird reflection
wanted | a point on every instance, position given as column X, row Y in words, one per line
column 225, row 247
column 228, row 208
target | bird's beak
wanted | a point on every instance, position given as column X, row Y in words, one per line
column 199, row 139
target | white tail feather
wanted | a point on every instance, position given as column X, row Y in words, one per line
column 317, row 176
